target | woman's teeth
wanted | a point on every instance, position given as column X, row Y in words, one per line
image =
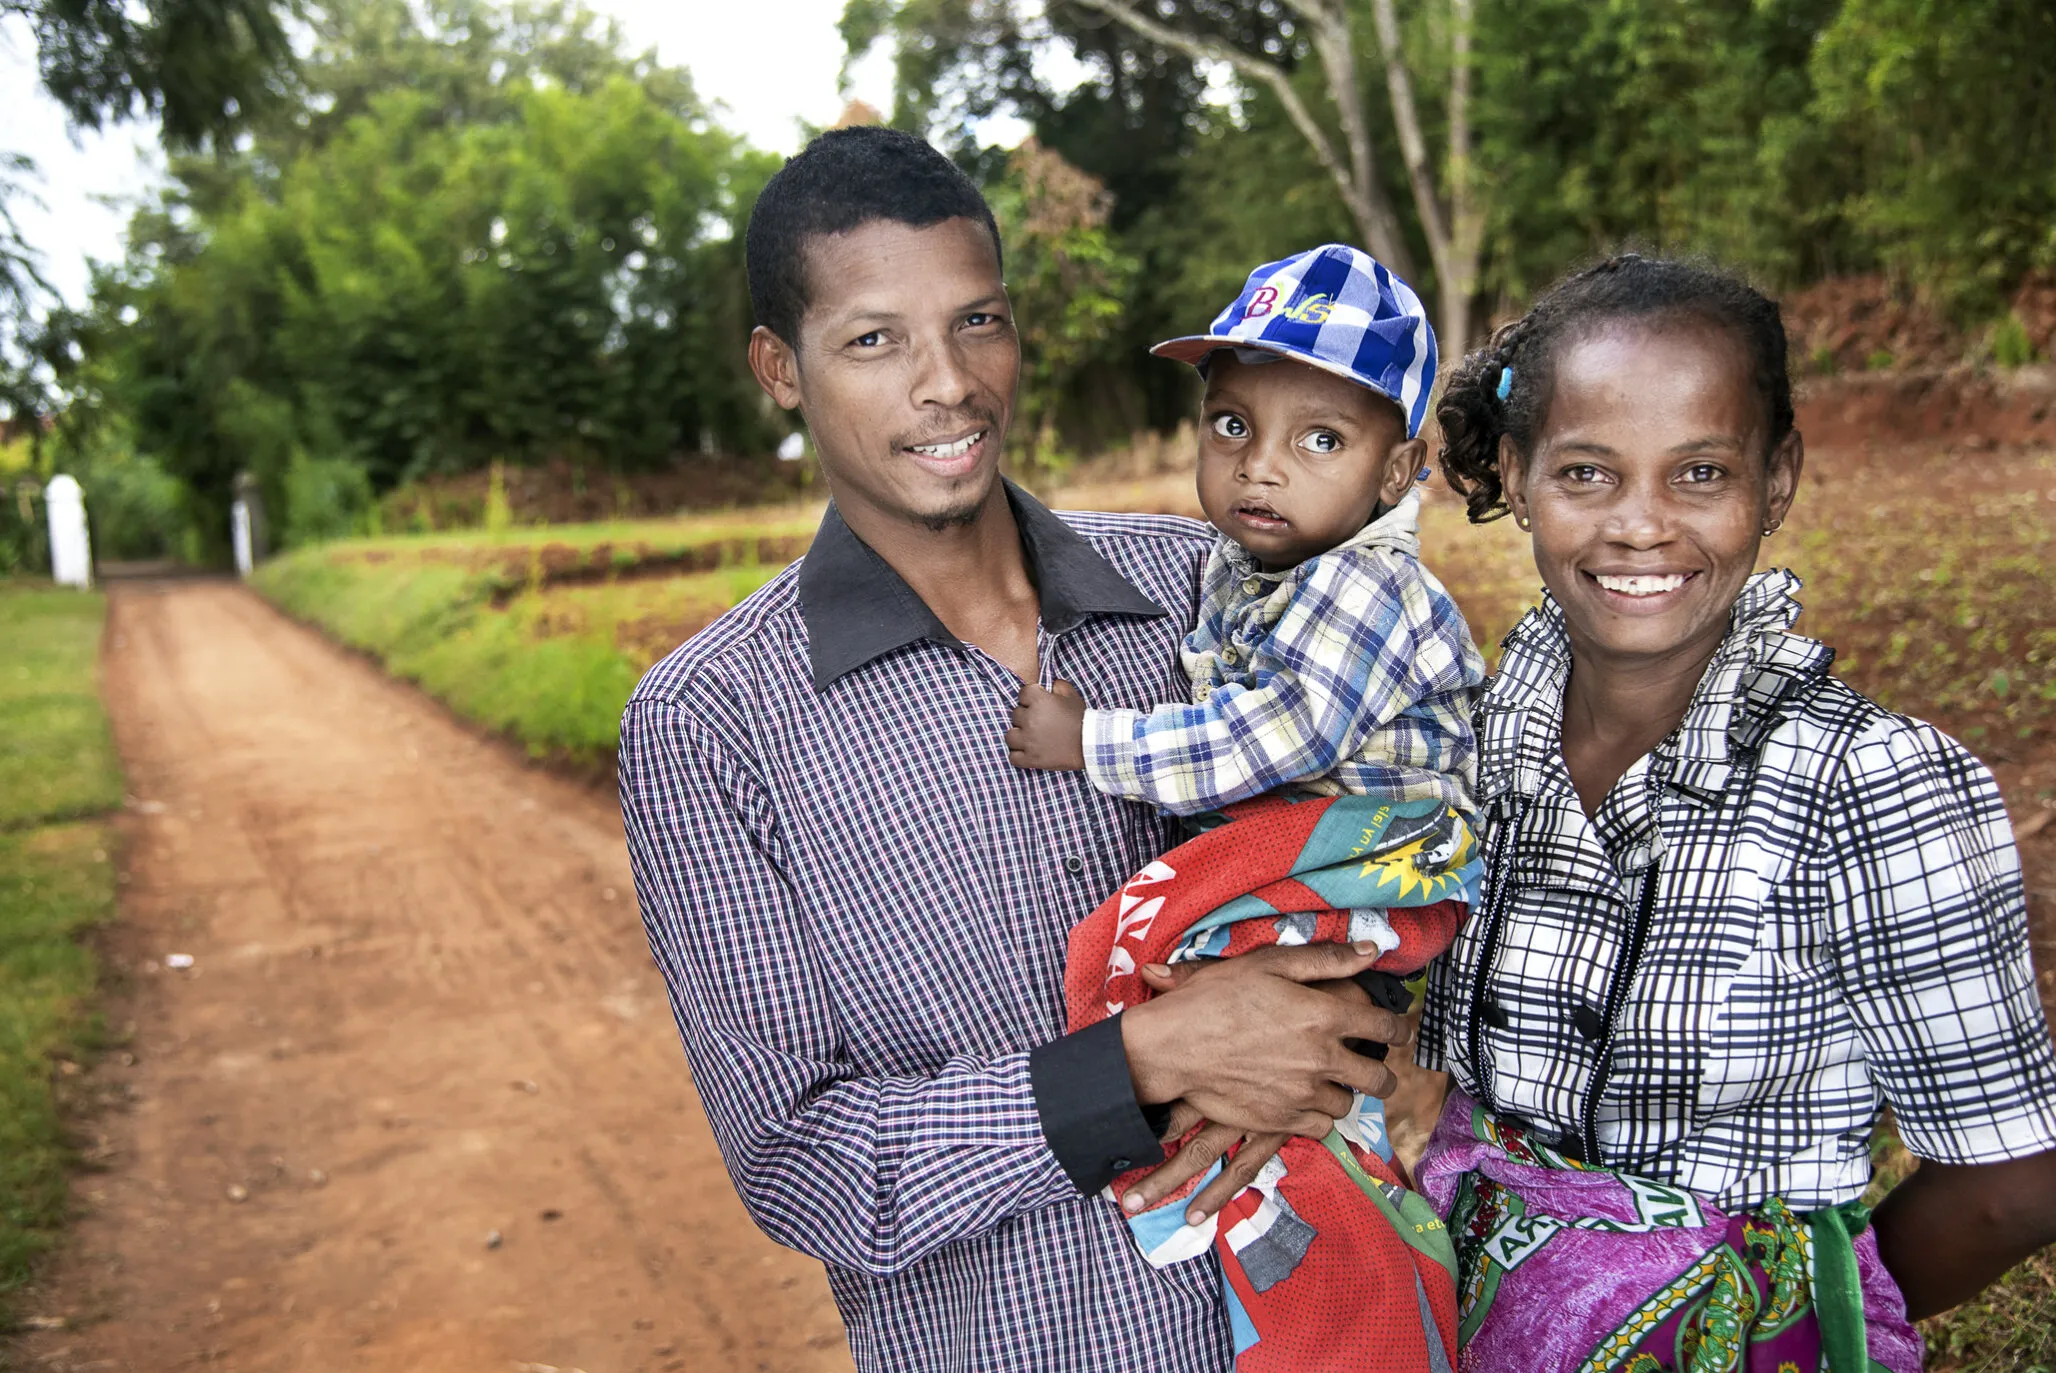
column 947, row 450
column 1643, row 586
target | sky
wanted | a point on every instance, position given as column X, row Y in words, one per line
column 770, row 63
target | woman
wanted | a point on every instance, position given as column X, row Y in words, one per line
column 1730, row 902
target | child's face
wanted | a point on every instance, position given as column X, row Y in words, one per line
column 1292, row 460
column 1648, row 489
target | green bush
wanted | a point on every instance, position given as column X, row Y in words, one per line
column 326, row 498
column 2010, row 344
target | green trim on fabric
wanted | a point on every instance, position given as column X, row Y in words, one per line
column 1412, row 1217
column 1838, row 1287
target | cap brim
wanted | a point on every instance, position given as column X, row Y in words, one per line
column 1193, row 348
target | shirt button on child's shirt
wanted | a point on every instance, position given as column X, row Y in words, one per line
column 1228, row 656
column 1252, row 585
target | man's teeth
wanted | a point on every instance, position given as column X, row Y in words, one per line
column 1643, row 586
column 948, row 450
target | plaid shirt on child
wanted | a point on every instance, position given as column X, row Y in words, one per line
column 1352, row 672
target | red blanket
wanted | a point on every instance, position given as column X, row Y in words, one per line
column 1330, row 1262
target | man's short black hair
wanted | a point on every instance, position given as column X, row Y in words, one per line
column 845, row 178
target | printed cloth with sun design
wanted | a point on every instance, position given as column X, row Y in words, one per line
column 1328, row 1260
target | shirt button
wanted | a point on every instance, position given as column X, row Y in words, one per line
column 1251, row 585
column 1494, row 1014
column 1228, row 655
column 1121, row 1165
column 1589, row 1022
column 1074, row 865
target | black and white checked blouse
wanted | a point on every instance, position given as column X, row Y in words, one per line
column 1798, row 905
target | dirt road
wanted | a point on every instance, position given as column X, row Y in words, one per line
column 420, row 1013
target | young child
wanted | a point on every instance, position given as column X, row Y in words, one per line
column 1333, row 677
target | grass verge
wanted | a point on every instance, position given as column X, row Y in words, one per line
column 57, row 765
column 550, row 666
column 56, row 758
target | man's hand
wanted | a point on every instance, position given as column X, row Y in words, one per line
column 1049, row 729
column 1213, row 1142
column 1252, row 1046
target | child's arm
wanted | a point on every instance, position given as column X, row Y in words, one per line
column 1364, row 639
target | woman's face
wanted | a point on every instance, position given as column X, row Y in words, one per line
column 1648, row 490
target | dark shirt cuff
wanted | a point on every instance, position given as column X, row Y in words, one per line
column 1086, row 1100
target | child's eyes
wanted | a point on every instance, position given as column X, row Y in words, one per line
column 1230, row 427
column 1322, row 441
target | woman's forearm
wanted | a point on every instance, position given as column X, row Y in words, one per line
column 1948, row 1231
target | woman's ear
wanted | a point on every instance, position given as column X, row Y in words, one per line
column 1402, row 468
column 1513, row 479
column 776, row 366
column 1781, row 478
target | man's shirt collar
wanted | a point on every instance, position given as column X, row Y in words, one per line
column 856, row 608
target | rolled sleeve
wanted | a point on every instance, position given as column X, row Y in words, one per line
column 1933, row 954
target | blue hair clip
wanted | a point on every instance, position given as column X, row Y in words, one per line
column 1424, row 475
column 1505, row 382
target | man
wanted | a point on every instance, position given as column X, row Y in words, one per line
column 861, row 908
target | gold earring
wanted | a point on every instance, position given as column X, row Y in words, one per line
column 1520, row 519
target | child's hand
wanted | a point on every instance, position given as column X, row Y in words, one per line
column 1049, row 729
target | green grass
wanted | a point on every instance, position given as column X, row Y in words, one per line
column 56, row 881
column 656, row 536
column 550, row 666
column 56, row 758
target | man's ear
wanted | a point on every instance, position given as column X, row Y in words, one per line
column 1402, row 467
column 776, row 367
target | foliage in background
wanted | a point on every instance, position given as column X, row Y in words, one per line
column 57, row 763
column 464, row 232
column 1066, row 280
column 1944, row 108
column 482, row 233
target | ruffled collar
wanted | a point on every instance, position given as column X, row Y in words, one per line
column 1759, row 666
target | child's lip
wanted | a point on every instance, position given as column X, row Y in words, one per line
column 1261, row 514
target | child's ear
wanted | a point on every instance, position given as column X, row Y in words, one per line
column 1402, row 466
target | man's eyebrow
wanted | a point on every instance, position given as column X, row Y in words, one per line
column 984, row 302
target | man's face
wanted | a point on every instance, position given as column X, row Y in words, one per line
column 905, row 369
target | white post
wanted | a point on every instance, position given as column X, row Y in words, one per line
column 239, row 536
column 71, row 548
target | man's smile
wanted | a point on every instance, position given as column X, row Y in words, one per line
column 951, row 456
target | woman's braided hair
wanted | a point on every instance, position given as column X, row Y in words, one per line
column 1473, row 414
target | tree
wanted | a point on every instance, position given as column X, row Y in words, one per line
column 1445, row 200
column 1067, row 281
column 521, row 244
column 1948, row 111
column 199, row 67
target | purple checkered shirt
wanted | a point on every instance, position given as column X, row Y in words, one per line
column 861, row 911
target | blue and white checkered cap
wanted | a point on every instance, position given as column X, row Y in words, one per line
column 1338, row 309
